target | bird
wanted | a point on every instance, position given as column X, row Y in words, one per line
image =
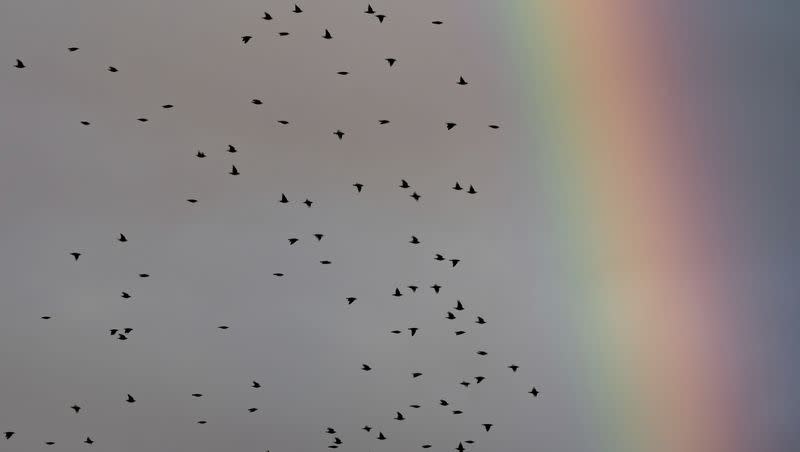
column 8, row 434
column 88, row 440
column 413, row 330
column 200, row 155
column 443, row 402
column 113, row 331
column 457, row 412
column 384, row 121
column 283, row 199
column 469, row 441
column 450, row 315
column 252, row 410
column 472, row 190
column 330, row 431
column 365, row 367
column 381, row 436
column 293, row 240
column 513, row 367
column 202, row 422
column 128, row 330
column 191, row 200
column 414, row 240
column 396, row 332
column 167, row 106
column 297, row 9
column 487, row 426
column 461, row 81
column 278, row 274
column 319, row 236
column 308, row 202
column 256, row 101
column 366, row 428
column 327, row 34
column 450, row 125
column 494, row 126
column 436, row 288
column 437, row 22
column 223, row 327
column 246, row 39
column 284, row 122
column 369, row 10
column 130, row 399
column 122, row 238
column 339, row 134
column 534, row 392
column 142, row 119
column 350, row 300
column 342, row 72
column 459, row 306
column 415, row 196
column 380, row 17
column 404, row 184
column 86, row 123
column 267, row 16
column 122, row 337
column 414, row 406
column 197, row 395
column 464, row 384
column 397, row 292
column 232, row 149
column 49, row 443
column 439, row 257
column 480, row 321
column 76, row 255
column 283, row 33
column 481, row 353
column 76, row 408
column 399, row 417
column 46, row 317
column 358, row 186
column 112, row 69
column 413, row 288
column 72, row 49
column 255, row 384
column 19, row 64
column 460, row 332
column 479, row 379
column 455, row 261
column 391, row 61
column 325, row 262
column 144, row 275
column 460, row 447
column 234, row 171
column 337, row 440
column 457, row 186
column 426, row 446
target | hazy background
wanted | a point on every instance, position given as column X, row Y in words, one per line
column 66, row 187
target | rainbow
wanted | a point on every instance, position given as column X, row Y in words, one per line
column 646, row 290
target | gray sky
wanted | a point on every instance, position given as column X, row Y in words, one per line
column 65, row 187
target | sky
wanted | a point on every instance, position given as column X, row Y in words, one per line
column 67, row 187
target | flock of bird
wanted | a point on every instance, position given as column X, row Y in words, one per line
column 123, row 333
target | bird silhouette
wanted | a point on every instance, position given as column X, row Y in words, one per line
column 112, row 69
column 86, row 123
column 399, row 417
column 246, row 39
column 128, row 330
column 396, row 332
column 358, row 186
column 455, row 261
column 415, row 196
column 413, row 330
column 494, row 126
column 319, row 236
column 330, row 431
column 472, row 190
column 369, row 9
column 76, row 408
column 480, row 321
column 197, row 395
column 481, row 353
column 167, row 106
column 339, row 134
column 365, row 367
column 487, row 426
column 293, row 240
column 144, row 275
column 465, row 384
column 450, row 316
column 384, row 121
column 460, row 447
column 72, row 49
column 381, row 436
column 201, row 155
column 278, row 274
column 413, row 288
column 337, row 440
column 414, row 240
column 284, row 122
column 8, row 434
column 426, row 446
column 49, row 443
column 46, row 317
column 380, row 17
column 327, row 34
column 283, row 33
column 191, row 200
column 404, row 184
column 113, row 331
column 534, row 392
column 122, row 238
column 75, row 255
column 202, row 422
column 414, row 406
column 513, row 367
column 308, row 202
column 283, row 199
column 223, row 327
column 267, row 16
column 342, row 72
column 366, row 428
column 479, row 379
column 439, row 257
column 325, row 262
column 391, row 61
column 450, row 125
column 459, row 306
column 88, row 440
column 252, row 410
column 443, row 402
column 458, row 412
column 19, row 64
column 297, row 9
column 234, row 171
column 255, row 384
column 457, row 186
column 142, row 119
column 232, row 149
column 130, row 399
column 397, row 292
column 122, row 337
column 460, row 332
column 436, row 288
column 350, row 300
column 461, row 81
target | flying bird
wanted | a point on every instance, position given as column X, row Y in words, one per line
column 19, row 64
column 255, row 384
column 380, row 17
column 75, row 255
column 330, row 431
column 232, row 149
column 46, row 317
column 234, row 171
column 437, row 22
column 72, row 49
column 457, row 186
column 223, row 327
column 308, row 202
column 450, row 315
column 464, row 384
column 130, row 399
column 391, row 61
column 327, row 34
column 252, row 410
column 472, row 190
column 397, row 292
column 246, row 39
column 49, row 443
column 86, row 123
column 436, row 288
column 481, row 353
column 396, row 332
column 122, row 337
column 426, row 446
column 342, row 72
column 337, row 440
column 414, row 240
column 383, row 121
column 191, row 200
column 460, row 332
column 455, row 261
column 350, row 300
column 513, row 367
column 459, row 306
column 325, row 262
column 443, row 402
column 283, row 199
column 416, row 374
column 366, row 428
column 404, row 184
column 197, row 395
column 167, row 106
column 460, row 447
column 297, row 9
column 128, row 330
column 339, row 134
column 534, row 392
column 142, row 119
column 122, row 238
column 358, row 186
column 461, row 81
column 439, row 257
column 487, row 426
column 458, row 412
column 479, row 379
column 413, row 288
column 200, row 155
column 88, row 440
column 414, row 406
column 113, row 331
column 365, row 367
column 413, row 330
column 112, row 69
column 381, row 436
column 415, row 196
column 399, row 417
column 293, row 240
column 283, row 33
column 494, row 126
column 284, row 122
column 369, row 10
column 480, row 321
column 144, row 275
column 278, row 274
column 267, row 16
column 76, row 408
column 319, row 236
column 9, row 435
column 450, row 125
